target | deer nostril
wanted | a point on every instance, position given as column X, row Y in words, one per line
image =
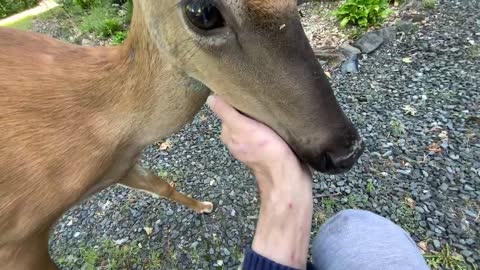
column 335, row 163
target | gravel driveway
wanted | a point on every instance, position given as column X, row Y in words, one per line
column 416, row 102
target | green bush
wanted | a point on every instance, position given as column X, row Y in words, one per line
column 363, row 13
column 119, row 38
column 101, row 21
column 10, row 7
column 87, row 4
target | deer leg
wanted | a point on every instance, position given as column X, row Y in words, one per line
column 142, row 179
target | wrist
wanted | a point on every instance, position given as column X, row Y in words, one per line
column 283, row 234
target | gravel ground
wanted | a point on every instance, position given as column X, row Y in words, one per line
column 416, row 102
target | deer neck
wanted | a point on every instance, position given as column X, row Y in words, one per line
column 158, row 97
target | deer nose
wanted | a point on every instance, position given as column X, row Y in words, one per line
column 336, row 163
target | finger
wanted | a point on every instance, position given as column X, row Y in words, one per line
column 229, row 115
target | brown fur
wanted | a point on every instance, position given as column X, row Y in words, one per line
column 73, row 119
column 271, row 9
column 73, row 122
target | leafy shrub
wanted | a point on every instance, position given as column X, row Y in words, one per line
column 87, row 4
column 119, row 38
column 363, row 13
column 429, row 4
column 101, row 21
column 10, row 7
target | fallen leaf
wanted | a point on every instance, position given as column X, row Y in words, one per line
column 164, row 145
column 423, row 245
column 443, row 135
column 410, row 202
column 203, row 118
column 407, row 60
column 148, row 230
column 435, row 148
column 410, row 110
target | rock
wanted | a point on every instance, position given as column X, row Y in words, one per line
column 331, row 55
column 466, row 253
column 469, row 241
column 468, row 188
column 370, row 42
column 340, row 183
column 389, row 34
column 419, row 209
column 414, row 17
column 87, row 42
column 405, row 26
column 348, row 50
column 436, row 244
column 444, row 187
column 351, row 65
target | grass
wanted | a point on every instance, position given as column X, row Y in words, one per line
column 447, row 258
column 429, row 4
column 109, row 256
column 26, row 22
column 102, row 22
column 408, row 217
column 100, row 17
column 370, row 186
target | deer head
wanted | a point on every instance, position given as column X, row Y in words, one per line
column 255, row 55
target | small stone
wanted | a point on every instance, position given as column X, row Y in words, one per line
column 351, row 65
column 444, row 187
column 340, row 183
column 436, row 244
column 469, row 241
column 87, row 42
column 405, row 26
column 466, row 253
column 468, row 188
column 419, row 209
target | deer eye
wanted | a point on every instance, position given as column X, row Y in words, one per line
column 204, row 15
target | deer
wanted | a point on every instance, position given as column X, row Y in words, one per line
column 75, row 119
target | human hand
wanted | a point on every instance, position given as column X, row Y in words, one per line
column 285, row 184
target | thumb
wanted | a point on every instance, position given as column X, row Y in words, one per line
column 224, row 111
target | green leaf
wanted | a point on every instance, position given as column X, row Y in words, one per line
column 344, row 22
column 363, row 22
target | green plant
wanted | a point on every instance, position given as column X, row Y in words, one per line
column 446, row 258
column 363, row 13
column 397, row 128
column 90, row 256
column 407, row 217
column 429, row 4
column 370, row 186
column 474, row 51
column 87, row 4
column 102, row 22
column 328, row 204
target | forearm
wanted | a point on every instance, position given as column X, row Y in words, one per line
column 284, row 225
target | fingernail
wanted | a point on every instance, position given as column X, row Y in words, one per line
column 210, row 100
